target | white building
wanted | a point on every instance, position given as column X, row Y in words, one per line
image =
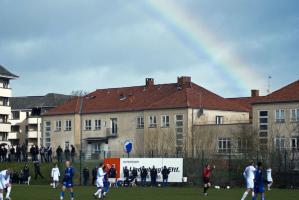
column 5, row 109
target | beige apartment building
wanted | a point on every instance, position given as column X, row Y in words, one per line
column 25, row 117
column 157, row 118
column 5, row 109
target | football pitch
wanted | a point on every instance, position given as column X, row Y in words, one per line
column 171, row 193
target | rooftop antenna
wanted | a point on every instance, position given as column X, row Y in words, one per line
column 269, row 84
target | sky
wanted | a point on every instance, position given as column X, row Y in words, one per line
column 228, row 47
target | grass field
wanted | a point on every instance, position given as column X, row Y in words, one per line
column 172, row 193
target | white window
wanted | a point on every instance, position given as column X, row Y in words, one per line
column 67, row 144
column 114, row 127
column 140, row 122
column 295, row 115
column 295, row 143
column 164, row 121
column 263, row 124
column 179, row 132
column 280, row 143
column 219, row 119
column 68, row 125
column 47, row 126
column 152, row 121
column 97, row 124
column 224, row 145
column 280, row 116
column 87, row 126
column 58, row 126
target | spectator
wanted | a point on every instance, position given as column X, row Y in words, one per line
column 85, row 176
column 42, row 154
column 126, row 173
column 143, row 176
column 32, row 153
column 59, row 154
column 37, row 170
column 26, row 172
column 49, row 154
column 12, row 154
column 153, row 173
column 24, row 152
column 67, row 153
column 5, row 153
column 18, row 153
column 94, row 175
column 1, row 154
column 112, row 175
column 165, row 173
column 134, row 175
column 73, row 153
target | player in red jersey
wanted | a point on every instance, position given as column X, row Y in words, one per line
column 206, row 178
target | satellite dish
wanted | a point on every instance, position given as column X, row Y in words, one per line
column 200, row 112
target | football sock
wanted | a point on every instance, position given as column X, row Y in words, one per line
column 205, row 190
column 8, row 192
column 72, row 195
column 98, row 192
column 244, row 195
column 1, row 196
column 62, row 195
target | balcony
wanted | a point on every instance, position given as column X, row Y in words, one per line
column 32, row 134
column 5, row 127
column 5, row 110
column 111, row 132
column 33, row 120
column 13, row 136
column 5, row 92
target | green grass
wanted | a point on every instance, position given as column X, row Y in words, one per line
column 173, row 193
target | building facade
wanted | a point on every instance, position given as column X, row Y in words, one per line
column 5, row 109
column 157, row 119
column 25, row 117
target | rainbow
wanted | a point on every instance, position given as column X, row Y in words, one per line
column 193, row 33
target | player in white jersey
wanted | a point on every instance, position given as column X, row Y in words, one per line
column 55, row 173
column 269, row 178
column 100, row 181
column 5, row 183
column 249, row 177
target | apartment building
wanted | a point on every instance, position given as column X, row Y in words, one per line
column 25, row 118
column 156, row 118
column 5, row 109
column 276, row 118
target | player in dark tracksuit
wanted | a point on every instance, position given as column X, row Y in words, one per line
column 259, row 187
column 68, row 180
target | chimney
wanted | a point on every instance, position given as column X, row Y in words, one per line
column 184, row 81
column 149, row 82
column 255, row 93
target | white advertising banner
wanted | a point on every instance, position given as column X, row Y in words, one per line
column 175, row 165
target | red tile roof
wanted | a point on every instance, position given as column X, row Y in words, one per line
column 289, row 93
column 163, row 96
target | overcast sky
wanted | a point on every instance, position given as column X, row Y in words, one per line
column 60, row 46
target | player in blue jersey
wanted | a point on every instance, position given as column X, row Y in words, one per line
column 106, row 183
column 259, row 187
column 68, row 180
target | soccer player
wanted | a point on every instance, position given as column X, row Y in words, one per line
column 55, row 175
column 100, row 181
column 106, row 183
column 206, row 178
column 5, row 183
column 259, row 182
column 68, row 180
column 249, row 177
column 269, row 178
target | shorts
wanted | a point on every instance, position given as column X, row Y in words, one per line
column 259, row 189
column 68, row 184
column 3, row 184
column 206, row 180
column 249, row 184
column 99, row 183
column 112, row 180
column 268, row 182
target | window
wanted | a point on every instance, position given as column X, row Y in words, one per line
column 164, row 121
column 242, row 145
column 87, row 125
column 15, row 115
column 113, row 122
column 140, row 122
column 280, row 116
column 280, row 143
column 58, row 126
column 15, row 128
column 219, row 119
column 152, row 121
column 179, row 132
column 97, row 124
column 67, row 144
column 48, row 126
column 68, row 125
column 263, row 124
column 295, row 115
column 224, row 145
column 295, row 143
